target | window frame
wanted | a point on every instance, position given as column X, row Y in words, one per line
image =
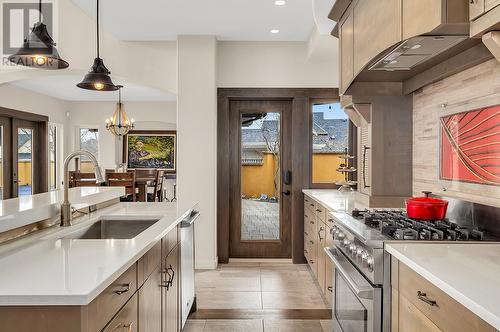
column 78, row 142
column 351, row 145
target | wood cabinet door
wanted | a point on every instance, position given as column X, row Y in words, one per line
column 171, row 322
column 150, row 313
column 346, row 30
column 490, row 4
column 430, row 15
column 369, row 41
column 329, row 282
column 126, row 319
column 476, row 8
column 321, row 240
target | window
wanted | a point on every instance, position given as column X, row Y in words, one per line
column 330, row 141
column 53, row 157
column 89, row 140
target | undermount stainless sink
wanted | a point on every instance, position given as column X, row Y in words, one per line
column 112, row 229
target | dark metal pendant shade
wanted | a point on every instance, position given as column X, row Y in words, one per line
column 98, row 78
column 39, row 51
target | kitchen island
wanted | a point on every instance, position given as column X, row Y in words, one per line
column 76, row 279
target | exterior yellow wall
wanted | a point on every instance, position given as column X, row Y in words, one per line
column 24, row 173
column 324, row 168
column 257, row 180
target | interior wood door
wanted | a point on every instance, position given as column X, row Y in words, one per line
column 29, row 157
column 5, row 158
column 260, row 177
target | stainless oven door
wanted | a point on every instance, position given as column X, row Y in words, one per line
column 357, row 305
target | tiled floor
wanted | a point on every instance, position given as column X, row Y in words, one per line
column 259, row 220
column 258, row 286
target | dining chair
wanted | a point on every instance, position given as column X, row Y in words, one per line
column 79, row 179
column 123, row 179
column 157, row 194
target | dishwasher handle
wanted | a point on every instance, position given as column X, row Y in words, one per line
column 189, row 220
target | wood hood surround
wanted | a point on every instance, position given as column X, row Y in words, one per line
column 367, row 30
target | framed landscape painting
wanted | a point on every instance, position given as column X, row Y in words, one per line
column 470, row 146
column 146, row 149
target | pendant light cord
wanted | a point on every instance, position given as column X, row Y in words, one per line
column 97, row 29
column 40, row 11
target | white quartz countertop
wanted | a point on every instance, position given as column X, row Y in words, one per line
column 469, row 273
column 54, row 271
column 334, row 200
column 25, row 210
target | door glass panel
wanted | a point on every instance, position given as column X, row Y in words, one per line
column 260, row 176
column 25, row 161
column 52, row 157
column 350, row 313
column 1, row 162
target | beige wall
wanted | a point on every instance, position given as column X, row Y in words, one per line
column 273, row 64
column 197, row 139
column 471, row 89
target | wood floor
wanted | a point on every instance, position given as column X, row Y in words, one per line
column 259, row 297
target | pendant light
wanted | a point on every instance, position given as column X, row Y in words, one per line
column 98, row 77
column 38, row 50
column 119, row 124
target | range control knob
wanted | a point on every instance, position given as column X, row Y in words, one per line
column 359, row 252
column 352, row 249
column 369, row 263
column 346, row 243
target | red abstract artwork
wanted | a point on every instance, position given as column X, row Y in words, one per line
column 470, row 146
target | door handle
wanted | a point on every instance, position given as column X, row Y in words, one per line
column 286, row 192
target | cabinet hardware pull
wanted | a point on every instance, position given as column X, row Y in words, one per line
column 365, row 148
column 330, row 288
column 311, row 222
column 126, row 288
column 311, row 242
column 311, row 204
column 423, row 297
column 306, row 233
column 318, row 210
column 319, row 234
column 306, row 251
column 311, row 261
column 173, row 275
column 120, row 326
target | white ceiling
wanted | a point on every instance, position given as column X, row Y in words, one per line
column 64, row 87
column 244, row 20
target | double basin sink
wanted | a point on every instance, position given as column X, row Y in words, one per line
column 111, row 229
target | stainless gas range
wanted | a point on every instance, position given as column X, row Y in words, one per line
column 362, row 292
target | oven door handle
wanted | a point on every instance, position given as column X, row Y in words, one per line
column 363, row 292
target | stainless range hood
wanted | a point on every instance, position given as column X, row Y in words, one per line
column 414, row 51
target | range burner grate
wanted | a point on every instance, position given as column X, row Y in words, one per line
column 397, row 225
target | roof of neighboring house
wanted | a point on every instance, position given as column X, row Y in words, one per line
column 330, row 135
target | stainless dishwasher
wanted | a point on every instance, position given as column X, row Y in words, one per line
column 187, row 264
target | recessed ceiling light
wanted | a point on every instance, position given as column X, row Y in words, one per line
column 280, row 2
column 275, row 31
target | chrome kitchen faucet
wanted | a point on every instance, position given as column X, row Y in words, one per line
column 66, row 214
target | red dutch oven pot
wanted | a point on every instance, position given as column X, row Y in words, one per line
column 426, row 208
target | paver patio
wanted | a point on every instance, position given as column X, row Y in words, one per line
column 259, row 220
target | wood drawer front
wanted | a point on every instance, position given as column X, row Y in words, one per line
column 476, row 8
column 309, row 206
column 490, row 4
column 148, row 263
column 448, row 314
column 320, row 212
column 126, row 320
column 409, row 318
column 109, row 302
column 170, row 241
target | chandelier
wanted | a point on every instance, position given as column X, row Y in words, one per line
column 119, row 124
